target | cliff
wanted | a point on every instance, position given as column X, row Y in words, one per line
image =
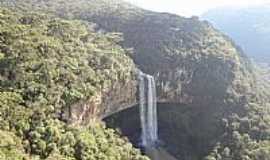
column 191, row 61
column 193, row 64
column 48, row 65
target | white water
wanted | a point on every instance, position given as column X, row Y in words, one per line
column 148, row 110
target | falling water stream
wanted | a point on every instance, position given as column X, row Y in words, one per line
column 148, row 116
column 148, row 110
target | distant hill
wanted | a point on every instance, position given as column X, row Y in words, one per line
column 249, row 27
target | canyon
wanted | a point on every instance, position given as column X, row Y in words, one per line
column 198, row 97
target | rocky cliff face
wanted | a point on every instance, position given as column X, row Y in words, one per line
column 223, row 116
column 192, row 62
column 118, row 97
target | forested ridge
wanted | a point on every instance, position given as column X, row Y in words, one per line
column 49, row 63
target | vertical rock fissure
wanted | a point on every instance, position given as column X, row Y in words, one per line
column 148, row 110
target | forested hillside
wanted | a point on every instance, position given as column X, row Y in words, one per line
column 48, row 64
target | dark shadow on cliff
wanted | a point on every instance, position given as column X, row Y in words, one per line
column 187, row 132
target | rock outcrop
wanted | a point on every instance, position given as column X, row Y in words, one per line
column 119, row 97
column 192, row 62
column 212, row 104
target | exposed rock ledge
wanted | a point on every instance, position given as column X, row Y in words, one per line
column 197, row 83
column 120, row 96
column 191, row 61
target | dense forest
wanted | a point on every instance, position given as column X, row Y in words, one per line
column 47, row 64
column 55, row 53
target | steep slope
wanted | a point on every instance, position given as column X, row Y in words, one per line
column 80, row 65
column 184, row 54
column 249, row 27
column 192, row 63
column 48, row 64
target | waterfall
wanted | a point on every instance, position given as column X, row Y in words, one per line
column 148, row 110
